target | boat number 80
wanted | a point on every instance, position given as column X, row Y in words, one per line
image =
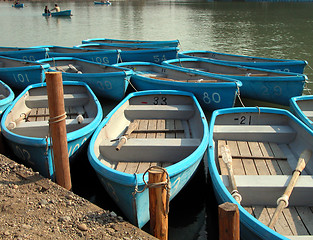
column 215, row 97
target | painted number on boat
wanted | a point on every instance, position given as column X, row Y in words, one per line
column 215, row 97
column 158, row 58
column 104, row 85
column 243, row 119
column 21, row 77
column 29, row 58
column 160, row 101
column 275, row 91
column 101, row 60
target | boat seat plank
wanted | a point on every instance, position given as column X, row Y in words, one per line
column 159, row 111
column 277, row 133
column 69, row 99
column 44, row 124
column 161, row 126
column 266, row 189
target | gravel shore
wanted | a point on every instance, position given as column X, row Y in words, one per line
column 33, row 207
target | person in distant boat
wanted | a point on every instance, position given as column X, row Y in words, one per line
column 16, row 2
column 56, row 8
column 46, row 10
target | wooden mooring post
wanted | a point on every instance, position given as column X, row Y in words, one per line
column 229, row 222
column 158, row 203
column 58, row 129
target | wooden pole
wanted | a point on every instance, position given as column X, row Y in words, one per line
column 58, row 128
column 284, row 199
column 229, row 222
column 158, row 204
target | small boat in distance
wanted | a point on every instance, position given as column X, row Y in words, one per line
column 105, row 80
column 6, row 96
column 122, row 42
column 257, row 83
column 18, row 5
column 19, row 74
column 26, row 129
column 286, row 65
column 212, row 92
column 253, row 155
column 302, row 107
column 64, row 13
column 102, row 2
column 165, row 129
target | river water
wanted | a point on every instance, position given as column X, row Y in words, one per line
column 264, row 29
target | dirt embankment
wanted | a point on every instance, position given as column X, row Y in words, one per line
column 32, row 207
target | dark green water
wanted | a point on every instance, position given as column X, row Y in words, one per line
column 264, row 29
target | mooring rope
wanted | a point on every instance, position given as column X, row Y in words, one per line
column 165, row 184
column 238, row 95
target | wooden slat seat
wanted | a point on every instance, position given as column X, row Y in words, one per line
column 69, row 99
column 150, row 149
column 266, row 189
column 277, row 133
column 159, row 111
column 36, row 128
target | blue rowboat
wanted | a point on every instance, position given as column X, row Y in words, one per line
column 212, row 92
column 105, row 80
column 265, row 145
column 260, row 84
column 6, row 96
column 25, row 124
column 129, row 43
column 169, row 131
column 143, row 54
column 19, row 74
column 30, row 54
column 18, row 5
column 99, row 56
column 302, row 107
column 101, row 3
column 65, row 13
column 286, row 65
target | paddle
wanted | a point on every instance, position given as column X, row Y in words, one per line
column 13, row 124
column 227, row 159
column 132, row 126
column 282, row 202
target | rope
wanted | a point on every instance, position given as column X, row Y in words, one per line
column 56, row 120
column 238, row 95
column 165, row 185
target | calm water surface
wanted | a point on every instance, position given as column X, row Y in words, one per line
column 279, row 30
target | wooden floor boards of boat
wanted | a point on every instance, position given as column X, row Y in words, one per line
column 266, row 158
column 153, row 128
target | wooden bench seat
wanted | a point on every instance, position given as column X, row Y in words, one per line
column 150, row 149
column 69, row 99
column 276, row 133
column 159, row 111
column 266, row 189
column 40, row 128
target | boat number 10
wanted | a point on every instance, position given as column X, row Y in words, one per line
column 215, row 97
